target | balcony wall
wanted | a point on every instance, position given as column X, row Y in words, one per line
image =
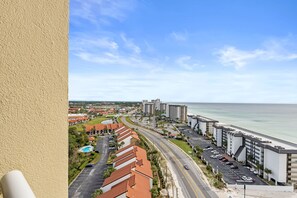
column 33, row 93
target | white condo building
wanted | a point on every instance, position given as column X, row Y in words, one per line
column 254, row 148
column 149, row 108
column 177, row 112
column 201, row 124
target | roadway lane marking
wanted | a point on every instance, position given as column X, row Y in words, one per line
column 185, row 173
column 179, row 165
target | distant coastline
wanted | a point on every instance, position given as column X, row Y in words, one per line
column 276, row 120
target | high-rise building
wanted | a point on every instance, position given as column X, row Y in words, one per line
column 177, row 112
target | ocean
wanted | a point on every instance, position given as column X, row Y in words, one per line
column 277, row 120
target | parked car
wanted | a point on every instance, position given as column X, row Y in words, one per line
column 186, row 167
column 225, row 160
column 229, row 163
column 256, row 172
column 213, row 156
column 207, row 147
column 221, row 158
column 245, row 178
column 234, row 167
column 252, row 169
column 89, row 165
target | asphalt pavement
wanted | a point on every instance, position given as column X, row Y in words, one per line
column 190, row 181
column 230, row 176
column 91, row 178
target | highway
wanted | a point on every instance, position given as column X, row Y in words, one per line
column 190, row 181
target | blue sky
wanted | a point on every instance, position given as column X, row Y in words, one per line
column 184, row 51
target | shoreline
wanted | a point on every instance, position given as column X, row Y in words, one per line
column 275, row 120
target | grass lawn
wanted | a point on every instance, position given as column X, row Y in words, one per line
column 96, row 159
column 96, row 120
column 183, row 145
column 210, row 175
column 129, row 120
column 119, row 120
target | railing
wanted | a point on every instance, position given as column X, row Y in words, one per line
column 14, row 185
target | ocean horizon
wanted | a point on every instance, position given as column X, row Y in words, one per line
column 276, row 120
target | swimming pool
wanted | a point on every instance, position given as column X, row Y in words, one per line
column 86, row 149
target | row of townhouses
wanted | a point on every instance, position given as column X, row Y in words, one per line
column 251, row 148
column 172, row 111
column 133, row 175
column 77, row 118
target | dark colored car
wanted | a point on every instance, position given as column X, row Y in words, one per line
column 229, row 163
column 225, row 160
column 186, row 167
column 234, row 167
column 221, row 158
column 207, row 146
column 89, row 165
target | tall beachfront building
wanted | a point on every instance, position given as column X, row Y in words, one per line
column 177, row 112
column 149, row 108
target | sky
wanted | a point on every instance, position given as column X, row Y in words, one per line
column 183, row 51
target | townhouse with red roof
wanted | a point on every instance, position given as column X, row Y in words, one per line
column 133, row 176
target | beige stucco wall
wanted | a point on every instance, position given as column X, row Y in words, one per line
column 33, row 93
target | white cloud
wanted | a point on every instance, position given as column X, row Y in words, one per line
column 130, row 44
column 238, row 58
column 187, row 63
column 103, row 43
column 273, row 87
column 116, row 60
column 179, row 36
column 273, row 50
column 100, row 11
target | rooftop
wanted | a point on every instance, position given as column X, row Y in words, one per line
column 264, row 139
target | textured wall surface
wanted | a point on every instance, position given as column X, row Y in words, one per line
column 33, row 93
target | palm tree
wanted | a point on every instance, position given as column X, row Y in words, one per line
column 199, row 151
column 268, row 172
column 219, row 176
column 259, row 168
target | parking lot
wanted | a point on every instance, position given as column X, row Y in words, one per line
column 241, row 175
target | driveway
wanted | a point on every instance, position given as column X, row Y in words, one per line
column 91, row 179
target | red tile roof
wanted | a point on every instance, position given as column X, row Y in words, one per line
column 119, row 162
column 100, row 127
column 141, row 187
column 126, row 147
column 117, row 174
column 121, row 130
column 137, row 186
column 116, row 190
column 89, row 127
column 124, row 155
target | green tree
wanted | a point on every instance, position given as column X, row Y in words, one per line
column 198, row 150
column 108, row 171
column 219, row 176
column 97, row 193
column 155, row 192
column 268, row 172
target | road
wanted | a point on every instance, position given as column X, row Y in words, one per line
column 91, row 178
column 190, row 181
